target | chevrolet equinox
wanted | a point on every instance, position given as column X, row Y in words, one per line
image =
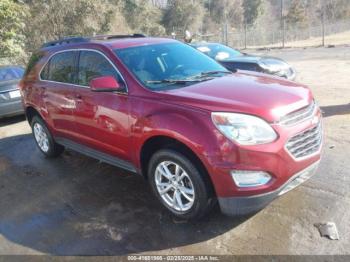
column 196, row 132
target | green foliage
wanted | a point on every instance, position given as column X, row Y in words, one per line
column 52, row 19
column 26, row 24
column 183, row 15
column 11, row 28
column 252, row 10
column 228, row 10
column 143, row 17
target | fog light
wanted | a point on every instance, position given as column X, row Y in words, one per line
column 243, row 178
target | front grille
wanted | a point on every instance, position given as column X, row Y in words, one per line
column 298, row 116
column 305, row 143
column 5, row 96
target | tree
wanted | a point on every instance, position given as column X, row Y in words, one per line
column 11, row 30
column 230, row 11
column 252, row 9
column 143, row 17
column 52, row 19
column 336, row 9
column 183, row 15
column 296, row 13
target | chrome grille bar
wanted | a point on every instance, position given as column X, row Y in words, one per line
column 298, row 116
column 305, row 143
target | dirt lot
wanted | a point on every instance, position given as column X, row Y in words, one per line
column 75, row 205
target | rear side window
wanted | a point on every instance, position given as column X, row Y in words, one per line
column 60, row 68
column 93, row 64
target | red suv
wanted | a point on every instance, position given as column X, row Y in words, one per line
column 159, row 108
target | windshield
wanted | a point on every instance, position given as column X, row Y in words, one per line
column 219, row 52
column 11, row 73
column 171, row 65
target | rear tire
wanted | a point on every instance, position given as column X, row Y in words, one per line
column 179, row 185
column 44, row 139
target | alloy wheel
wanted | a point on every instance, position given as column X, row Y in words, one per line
column 174, row 186
column 41, row 137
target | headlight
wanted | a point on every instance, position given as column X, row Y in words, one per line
column 282, row 73
column 244, row 129
column 268, row 68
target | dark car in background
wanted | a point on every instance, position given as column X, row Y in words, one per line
column 233, row 59
column 10, row 96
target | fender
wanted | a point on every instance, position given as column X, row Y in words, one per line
column 42, row 113
column 186, row 125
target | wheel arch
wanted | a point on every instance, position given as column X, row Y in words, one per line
column 158, row 142
column 30, row 112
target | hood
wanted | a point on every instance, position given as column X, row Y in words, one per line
column 245, row 92
column 270, row 65
column 268, row 61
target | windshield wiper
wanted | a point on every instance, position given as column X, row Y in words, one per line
column 203, row 76
column 208, row 73
column 175, row 81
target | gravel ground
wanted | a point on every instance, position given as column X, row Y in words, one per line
column 76, row 205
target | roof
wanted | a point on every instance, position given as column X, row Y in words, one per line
column 132, row 42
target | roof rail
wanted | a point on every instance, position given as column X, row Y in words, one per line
column 106, row 37
column 66, row 40
column 80, row 39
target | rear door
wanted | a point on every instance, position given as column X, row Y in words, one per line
column 58, row 83
column 101, row 118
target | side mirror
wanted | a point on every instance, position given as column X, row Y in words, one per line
column 105, row 84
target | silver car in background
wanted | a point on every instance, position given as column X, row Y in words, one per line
column 10, row 97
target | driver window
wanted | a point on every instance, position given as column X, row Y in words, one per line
column 93, row 64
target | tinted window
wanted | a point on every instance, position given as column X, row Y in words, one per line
column 161, row 62
column 11, row 73
column 45, row 72
column 93, row 64
column 60, row 68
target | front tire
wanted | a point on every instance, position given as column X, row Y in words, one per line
column 179, row 185
column 44, row 139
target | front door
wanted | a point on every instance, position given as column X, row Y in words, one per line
column 101, row 118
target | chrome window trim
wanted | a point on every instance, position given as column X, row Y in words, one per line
column 82, row 86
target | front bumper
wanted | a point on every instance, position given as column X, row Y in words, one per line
column 234, row 206
column 11, row 108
